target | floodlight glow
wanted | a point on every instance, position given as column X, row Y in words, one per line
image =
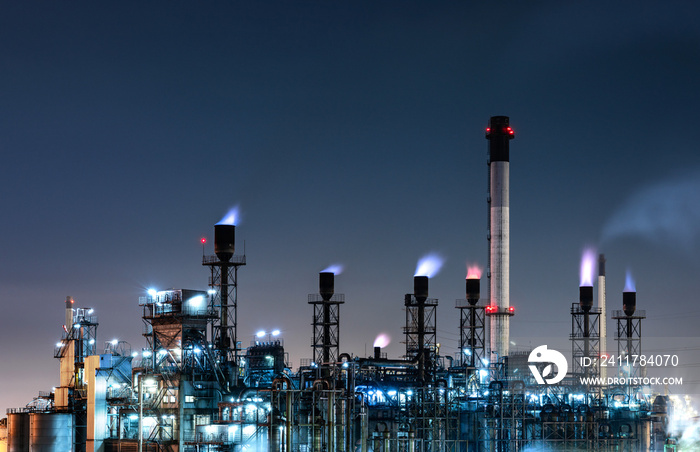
column 276, row 333
column 152, row 292
column 260, row 333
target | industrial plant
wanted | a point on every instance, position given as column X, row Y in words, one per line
column 194, row 388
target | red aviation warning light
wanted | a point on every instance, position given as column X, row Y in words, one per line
column 203, row 240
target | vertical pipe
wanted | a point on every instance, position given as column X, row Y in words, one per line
column 140, row 375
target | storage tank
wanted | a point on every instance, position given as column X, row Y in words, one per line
column 17, row 432
column 50, row 432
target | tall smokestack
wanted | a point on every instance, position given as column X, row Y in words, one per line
column 603, row 312
column 499, row 135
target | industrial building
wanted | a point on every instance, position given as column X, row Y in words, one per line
column 194, row 388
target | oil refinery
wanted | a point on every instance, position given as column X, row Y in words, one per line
column 194, row 388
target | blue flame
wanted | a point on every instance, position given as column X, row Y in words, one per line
column 629, row 282
column 336, row 269
column 588, row 264
column 231, row 216
column 429, row 265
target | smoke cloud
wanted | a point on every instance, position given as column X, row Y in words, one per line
column 666, row 214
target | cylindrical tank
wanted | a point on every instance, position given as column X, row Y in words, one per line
column 326, row 285
column 50, row 432
column 473, row 290
column 585, row 298
column 224, row 241
column 420, row 287
column 17, row 432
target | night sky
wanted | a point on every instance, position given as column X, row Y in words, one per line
column 347, row 132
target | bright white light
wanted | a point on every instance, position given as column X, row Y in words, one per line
column 467, row 352
column 147, row 353
column 483, row 372
column 58, row 344
column 197, row 350
column 134, row 354
column 485, row 361
column 152, row 292
column 276, row 333
column 260, row 333
column 91, row 341
column 114, row 342
column 196, row 301
column 382, row 340
column 77, row 325
column 90, row 311
column 211, row 292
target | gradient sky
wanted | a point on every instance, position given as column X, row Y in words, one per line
column 348, row 132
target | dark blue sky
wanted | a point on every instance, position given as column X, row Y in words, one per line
column 348, row 132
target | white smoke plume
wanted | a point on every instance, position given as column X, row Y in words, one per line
column 666, row 214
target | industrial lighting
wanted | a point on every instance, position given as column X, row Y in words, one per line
column 152, row 292
column 114, row 342
column 276, row 333
column 260, row 333
column 211, row 291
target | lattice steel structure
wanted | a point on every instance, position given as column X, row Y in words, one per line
column 420, row 329
column 585, row 341
column 471, row 333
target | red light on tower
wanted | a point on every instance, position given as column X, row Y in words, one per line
column 511, row 309
column 203, row 240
